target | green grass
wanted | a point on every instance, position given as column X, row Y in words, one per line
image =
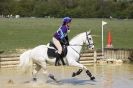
column 31, row 32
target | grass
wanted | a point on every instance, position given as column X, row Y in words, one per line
column 30, row 32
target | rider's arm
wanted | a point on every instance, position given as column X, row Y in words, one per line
column 62, row 31
column 67, row 40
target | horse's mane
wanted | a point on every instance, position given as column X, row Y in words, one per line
column 77, row 35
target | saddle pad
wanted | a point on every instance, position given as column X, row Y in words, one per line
column 52, row 52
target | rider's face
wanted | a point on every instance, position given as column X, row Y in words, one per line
column 68, row 24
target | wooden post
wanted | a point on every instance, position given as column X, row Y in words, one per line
column 95, row 56
column 0, row 61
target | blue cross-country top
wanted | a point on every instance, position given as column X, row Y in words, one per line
column 62, row 32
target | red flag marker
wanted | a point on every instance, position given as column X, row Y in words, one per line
column 109, row 40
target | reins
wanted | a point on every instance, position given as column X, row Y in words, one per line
column 76, row 50
column 81, row 45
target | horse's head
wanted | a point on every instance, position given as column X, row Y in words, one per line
column 81, row 38
column 88, row 40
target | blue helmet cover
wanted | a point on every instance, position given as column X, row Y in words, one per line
column 67, row 20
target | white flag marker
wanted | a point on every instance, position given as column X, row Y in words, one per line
column 103, row 23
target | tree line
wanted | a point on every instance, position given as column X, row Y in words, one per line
column 73, row 8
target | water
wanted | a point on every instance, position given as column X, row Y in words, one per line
column 115, row 76
column 107, row 76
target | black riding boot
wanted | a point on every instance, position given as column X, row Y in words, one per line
column 58, row 58
column 57, row 61
column 62, row 60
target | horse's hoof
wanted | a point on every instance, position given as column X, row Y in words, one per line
column 52, row 77
column 92, row 78
column 10, row 81
column 34, row 79
column 74, row 74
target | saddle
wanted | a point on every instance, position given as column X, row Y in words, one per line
column 52, row 50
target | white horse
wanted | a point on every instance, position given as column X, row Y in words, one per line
column 39, row 56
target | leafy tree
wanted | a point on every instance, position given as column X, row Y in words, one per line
column 74, row 8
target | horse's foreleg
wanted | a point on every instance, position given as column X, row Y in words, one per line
column 77, row 73
column 74, row 63
column 90, row 75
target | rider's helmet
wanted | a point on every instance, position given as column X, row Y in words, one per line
column 67, row 20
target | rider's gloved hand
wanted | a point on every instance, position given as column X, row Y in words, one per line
column 67, row 44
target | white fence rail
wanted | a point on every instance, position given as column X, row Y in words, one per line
column 87, row 57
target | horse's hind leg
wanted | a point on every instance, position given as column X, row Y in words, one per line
column 35, row 71
column 43, row 65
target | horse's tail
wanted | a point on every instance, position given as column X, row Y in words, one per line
column 25, row 61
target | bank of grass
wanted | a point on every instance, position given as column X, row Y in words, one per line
column 30, row 32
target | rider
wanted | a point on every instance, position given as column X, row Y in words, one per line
column 60, row 38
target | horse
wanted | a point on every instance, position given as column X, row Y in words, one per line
column 39, row 56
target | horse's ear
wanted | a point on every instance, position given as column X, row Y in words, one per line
column 95, row 36
column 89, row 32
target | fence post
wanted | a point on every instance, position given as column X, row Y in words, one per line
column 0, row 61
column 0, row 57
column 95, row 56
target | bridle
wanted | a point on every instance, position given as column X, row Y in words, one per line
column 89, row 44
column 88, row 39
